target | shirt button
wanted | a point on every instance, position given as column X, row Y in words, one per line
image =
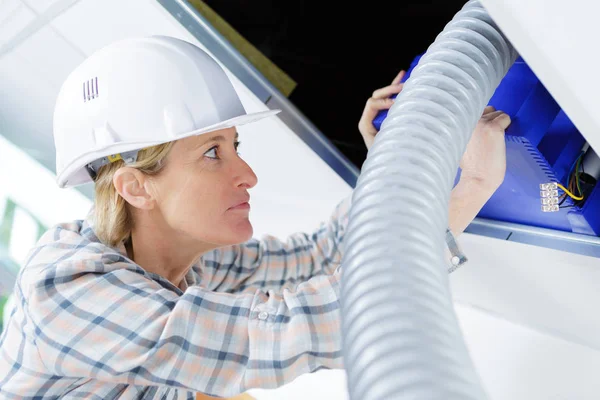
column 263, row 315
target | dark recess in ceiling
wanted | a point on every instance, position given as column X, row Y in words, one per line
column 338, row 53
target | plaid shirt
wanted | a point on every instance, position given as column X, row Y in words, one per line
column 90, row 323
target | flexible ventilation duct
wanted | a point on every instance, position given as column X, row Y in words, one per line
column 400, row 332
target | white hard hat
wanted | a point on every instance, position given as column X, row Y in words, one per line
column 136, row 93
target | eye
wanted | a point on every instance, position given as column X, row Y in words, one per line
column 212, row 153
column 236, row 145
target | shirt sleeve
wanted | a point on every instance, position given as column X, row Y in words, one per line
column 273, row 264
column 122, row 327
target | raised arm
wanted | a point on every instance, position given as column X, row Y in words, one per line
column 126, row 328
column 272, row 264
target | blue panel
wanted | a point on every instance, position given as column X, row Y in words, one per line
column 542, row 145
column 561, row 145
column 516, row 87
column 534, row 116
column 518, row 198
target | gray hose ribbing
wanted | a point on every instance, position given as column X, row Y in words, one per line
column 400, row 332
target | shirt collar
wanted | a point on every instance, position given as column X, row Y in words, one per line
column 190, row 278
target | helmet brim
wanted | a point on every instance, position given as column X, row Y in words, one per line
column 75, row 173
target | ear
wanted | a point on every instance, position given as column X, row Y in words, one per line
column 131, row 184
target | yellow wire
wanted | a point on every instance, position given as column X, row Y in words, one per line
column 571, row 195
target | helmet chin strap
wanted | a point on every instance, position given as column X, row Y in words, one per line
column 129, row 157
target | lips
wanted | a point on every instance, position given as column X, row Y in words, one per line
column 242, row 205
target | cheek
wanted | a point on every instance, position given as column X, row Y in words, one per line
column 191, row 202
column 196, row 202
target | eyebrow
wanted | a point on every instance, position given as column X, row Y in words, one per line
column 220, row 138
column 217, row 138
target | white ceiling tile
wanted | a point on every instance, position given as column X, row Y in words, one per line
column 14, row 18
column 31, row 78
column 39, row 5
column 92, row 24
column 49, row 57
column 27, row 122
column 7, row 7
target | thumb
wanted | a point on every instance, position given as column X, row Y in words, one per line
column 503, row 120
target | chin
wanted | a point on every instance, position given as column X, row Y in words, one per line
column 242, row 232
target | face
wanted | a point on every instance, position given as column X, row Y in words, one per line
column 202, row 192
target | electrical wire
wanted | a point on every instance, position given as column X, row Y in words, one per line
column 573, row 183
column 577, row 177
column 562, row 199
column 568, row 192
column 581, row 153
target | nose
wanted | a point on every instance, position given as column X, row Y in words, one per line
column 245, row 176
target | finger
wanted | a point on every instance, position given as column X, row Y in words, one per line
column 488, row 109
column 387, row 91
column 373, row 107
column 399, row 77
column 503, row 120
column 491, row 115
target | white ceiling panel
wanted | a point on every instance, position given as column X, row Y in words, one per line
column 31, row 77
column 92, row 24
column 49, row 57
column 7, row 9
column 39, row 6
column 14, row 17
column 24, row 108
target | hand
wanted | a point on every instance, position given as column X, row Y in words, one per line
column 484, row 160
column 380, row 100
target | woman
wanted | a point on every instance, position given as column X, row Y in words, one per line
column 162, row 292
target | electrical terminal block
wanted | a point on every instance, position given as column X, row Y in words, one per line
column 549, row 197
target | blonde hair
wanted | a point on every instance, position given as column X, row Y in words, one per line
column 112, row 217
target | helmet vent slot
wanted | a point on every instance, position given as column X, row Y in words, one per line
column 90, row 89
